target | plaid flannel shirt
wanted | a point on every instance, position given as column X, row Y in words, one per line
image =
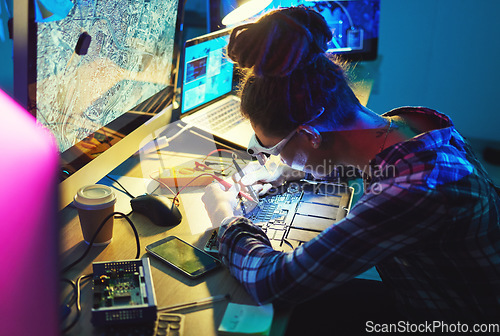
column 428, row 220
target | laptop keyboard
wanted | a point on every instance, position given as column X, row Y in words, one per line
column 223, row 117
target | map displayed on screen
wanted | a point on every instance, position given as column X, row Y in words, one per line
column 129, row 58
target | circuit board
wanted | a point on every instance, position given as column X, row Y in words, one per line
column 123, row 292
column 296, row 212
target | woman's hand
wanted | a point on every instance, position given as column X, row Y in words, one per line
column 263, row 178
column 220, row 203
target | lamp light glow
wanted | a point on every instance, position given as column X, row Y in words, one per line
column 245, row 11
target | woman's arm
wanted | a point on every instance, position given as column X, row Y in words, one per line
column 377, row 228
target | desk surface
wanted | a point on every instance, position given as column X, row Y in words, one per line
column 171, row 287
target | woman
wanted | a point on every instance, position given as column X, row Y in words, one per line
column 429, row 217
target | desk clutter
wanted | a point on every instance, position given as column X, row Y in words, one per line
column 125, row 301
column 123, row 292
column 167, row 324
column 125, row 304
column 238, row 319
column 120, row 298
column 194, row 173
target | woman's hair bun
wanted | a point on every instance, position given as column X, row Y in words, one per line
column 280, row 42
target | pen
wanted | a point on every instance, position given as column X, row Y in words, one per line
column 249, row 188
column 198, row 303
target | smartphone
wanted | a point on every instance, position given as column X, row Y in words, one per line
column 183, row 256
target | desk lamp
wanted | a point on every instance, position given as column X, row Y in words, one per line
column 245, row 11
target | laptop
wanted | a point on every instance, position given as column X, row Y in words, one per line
column 207, row 82
column 296, row 213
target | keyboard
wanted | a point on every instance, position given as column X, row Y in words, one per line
column 285, row 214
column 222, row 117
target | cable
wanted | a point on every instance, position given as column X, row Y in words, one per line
column 288, row 243
column 73, row 285
column 162, row 183
column 138, row 243
column 76, row 287
column 183, row 129
column 232, row 152
column 77, row 301
column 217, row 150
column 175, row 200
column 124, row 189
column 158, row 151
column 187, row 184
column 346, row 13
column 204, row 174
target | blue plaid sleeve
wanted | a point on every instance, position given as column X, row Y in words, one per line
column 382, row 224
column 431, row 228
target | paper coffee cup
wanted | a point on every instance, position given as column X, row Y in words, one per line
column 94, row 203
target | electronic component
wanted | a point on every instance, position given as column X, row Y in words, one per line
column 167, row 324
column 285, row 213
column 194, row 173
column 123, row 292
column 270, row 215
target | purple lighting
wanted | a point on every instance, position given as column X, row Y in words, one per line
column 28, row 224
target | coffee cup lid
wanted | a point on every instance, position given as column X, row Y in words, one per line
column 95, row 196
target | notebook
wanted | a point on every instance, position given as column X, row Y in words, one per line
column 207, row 81
column 296, row 213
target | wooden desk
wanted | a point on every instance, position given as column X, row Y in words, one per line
column 171, row 287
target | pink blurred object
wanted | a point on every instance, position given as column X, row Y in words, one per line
column 28, row 224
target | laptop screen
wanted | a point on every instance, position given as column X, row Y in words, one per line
column 208, row 72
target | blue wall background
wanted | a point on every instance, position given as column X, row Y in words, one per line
column 443, row 54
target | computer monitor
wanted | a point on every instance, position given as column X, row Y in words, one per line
column 101, row 79
column 354, row 23
column 29, row 242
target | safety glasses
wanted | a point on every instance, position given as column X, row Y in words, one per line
column 255, row 148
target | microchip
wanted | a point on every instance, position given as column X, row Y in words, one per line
column 122, row 298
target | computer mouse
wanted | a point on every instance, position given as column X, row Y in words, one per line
column 159, row 209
